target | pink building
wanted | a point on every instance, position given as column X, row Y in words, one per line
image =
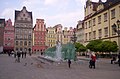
column 39, row 36
column 8, row 36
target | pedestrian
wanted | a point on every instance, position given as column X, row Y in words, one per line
column 69, row 63
column 93, row 60
column 119, row 59
column 9, row 53
column 15, row 54
column 18, row 55
column 25, row 53
column 113, row 59
column 22, row 53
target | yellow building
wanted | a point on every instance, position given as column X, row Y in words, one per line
column 51, row 37
column 67, row 34
column 99, row 18
column 55, row 34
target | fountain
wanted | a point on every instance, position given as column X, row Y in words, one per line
column 60, row 52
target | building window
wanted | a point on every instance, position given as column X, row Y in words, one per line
column 94, row 22
column 94, row 34
column 89, row 23
column 21, row 43
column 86, row 25
column 86, row 36
column 105, row 17
column 8, row 39
column 25, row 19
column 29, row 43
column 100, row 33
column 16, row 36
column 113, row 14
column 89, row 35
column 16, row 42
column 29, row 37
column 23, row 15
column 25, row 43
column 21, row 18
column 106, row 31
column 113, row 32
column 99, row 19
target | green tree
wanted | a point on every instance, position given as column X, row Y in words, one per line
column 77, row 45
column 93, row 45
column 80, row 47
column 108, row 46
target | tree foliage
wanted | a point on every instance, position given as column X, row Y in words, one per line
column 108, row 46
column 80, row 47
column 93, row 45
column 102, row 46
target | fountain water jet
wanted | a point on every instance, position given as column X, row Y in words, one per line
column 58, row 52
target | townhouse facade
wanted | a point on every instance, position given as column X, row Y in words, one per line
column 99, row 18
column 58, row 28
column 65, row 36
column 23, row 30
column 8, row 36
column 51, row 37
column 57, row 34
column 39, row 33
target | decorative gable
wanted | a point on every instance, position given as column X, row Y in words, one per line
column 100, row 6
column 23, row 15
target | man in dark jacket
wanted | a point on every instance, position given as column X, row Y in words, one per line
column 69, row 62
column 18, row 55
column 119, row 59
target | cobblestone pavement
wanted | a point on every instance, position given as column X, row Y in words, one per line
column 32, row 68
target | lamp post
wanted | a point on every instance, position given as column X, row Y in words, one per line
column 116, row 28
column 74, row 38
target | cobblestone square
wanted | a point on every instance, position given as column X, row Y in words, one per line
column 32, row 68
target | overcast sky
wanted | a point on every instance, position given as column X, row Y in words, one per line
column 65, row 12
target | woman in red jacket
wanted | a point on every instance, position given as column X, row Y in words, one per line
column 93, row 60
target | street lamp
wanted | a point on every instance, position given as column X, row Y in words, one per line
column 116, row 28
column 74, row 38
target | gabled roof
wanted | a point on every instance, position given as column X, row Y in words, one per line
column 17, row 12
column 108, row 4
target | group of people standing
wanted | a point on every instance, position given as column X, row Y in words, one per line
column 93, row 60
column 18, row 55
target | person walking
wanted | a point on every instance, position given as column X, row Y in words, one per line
column 25, row 53
column 9, row 53
column 93, row 60
column 119, row 59
column 69, row 63
column 15, row 54
column 22, row 53
column 18, row 55
column 113, row 59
